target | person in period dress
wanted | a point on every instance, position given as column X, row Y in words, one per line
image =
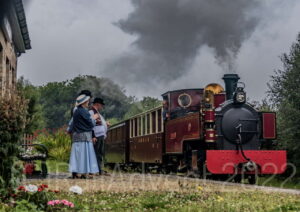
column 70, row 125
column 99, row 132
column 83, row 158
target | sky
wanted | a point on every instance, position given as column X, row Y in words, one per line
column 153, row 46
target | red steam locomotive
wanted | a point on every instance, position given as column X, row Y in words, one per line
column 200, row 130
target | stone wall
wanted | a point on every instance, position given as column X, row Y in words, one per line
column 8, row 66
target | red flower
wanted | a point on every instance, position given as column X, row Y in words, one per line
column 21, row 188
column 43, row 186
column 40, row 189
column 56, row 191
column 13, row 195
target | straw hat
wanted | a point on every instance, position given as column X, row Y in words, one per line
column 82, row 99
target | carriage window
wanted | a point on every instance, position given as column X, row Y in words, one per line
column 140, row 125
column 148, row 123
column 131, row 128
column 153, row 114
column 135, row 127
column 143, row 125
column 159, row 122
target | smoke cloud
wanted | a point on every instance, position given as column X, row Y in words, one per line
column 169, row 34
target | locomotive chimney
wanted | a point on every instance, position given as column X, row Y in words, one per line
column 230, row 84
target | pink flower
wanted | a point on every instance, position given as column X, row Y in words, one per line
column 59, row 202
column 50, row 202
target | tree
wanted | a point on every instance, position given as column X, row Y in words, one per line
column 34, row 117
column 284, row 93
column 136, row 107
column 58, row 98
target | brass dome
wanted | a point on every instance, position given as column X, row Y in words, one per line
column 210, row 90
column 214, row 88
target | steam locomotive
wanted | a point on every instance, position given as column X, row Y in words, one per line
column 200, row 131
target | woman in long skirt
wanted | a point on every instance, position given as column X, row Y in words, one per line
column 83, row 158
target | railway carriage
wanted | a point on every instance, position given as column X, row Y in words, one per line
column 202, row 131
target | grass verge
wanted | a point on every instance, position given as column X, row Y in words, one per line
column 178, row 201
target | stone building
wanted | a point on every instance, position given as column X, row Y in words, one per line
column 14, row 40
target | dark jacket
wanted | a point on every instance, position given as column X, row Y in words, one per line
column 82, row 121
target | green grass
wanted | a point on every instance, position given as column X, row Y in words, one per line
column 175, row 201
column 273, row 181
column 194, row 201
column 54, row 166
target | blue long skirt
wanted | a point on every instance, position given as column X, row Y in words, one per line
column 83, row 158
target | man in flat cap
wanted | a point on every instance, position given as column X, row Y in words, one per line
column 99, row 131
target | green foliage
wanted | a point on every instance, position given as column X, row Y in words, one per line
column 33, row 200
column 25, row 205
column 58, row 144
column 263, row 105
column 12, row 122
column 34, row 116
column 50, row 105
column 284, row 92
column 145, row 104
column 58, row 98
column 55, row 166
column 178, row 201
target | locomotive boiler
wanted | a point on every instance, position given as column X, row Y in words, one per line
column 203, row 130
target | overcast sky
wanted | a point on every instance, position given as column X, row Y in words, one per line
column 151, row 46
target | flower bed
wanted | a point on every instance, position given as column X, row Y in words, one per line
column 199, row 198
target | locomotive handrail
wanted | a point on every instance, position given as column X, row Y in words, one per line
column 248, row 119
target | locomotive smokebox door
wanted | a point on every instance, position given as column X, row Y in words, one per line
column 228, row 118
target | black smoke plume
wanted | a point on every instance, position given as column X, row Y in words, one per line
column 169, row 34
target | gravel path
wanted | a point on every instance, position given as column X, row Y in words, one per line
column 132, row 182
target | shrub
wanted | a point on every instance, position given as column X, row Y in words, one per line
column 58, row 144
column 12, row 123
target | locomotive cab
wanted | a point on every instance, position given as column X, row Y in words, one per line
column 178, row 103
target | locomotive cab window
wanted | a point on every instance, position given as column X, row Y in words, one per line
column 184, row 100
